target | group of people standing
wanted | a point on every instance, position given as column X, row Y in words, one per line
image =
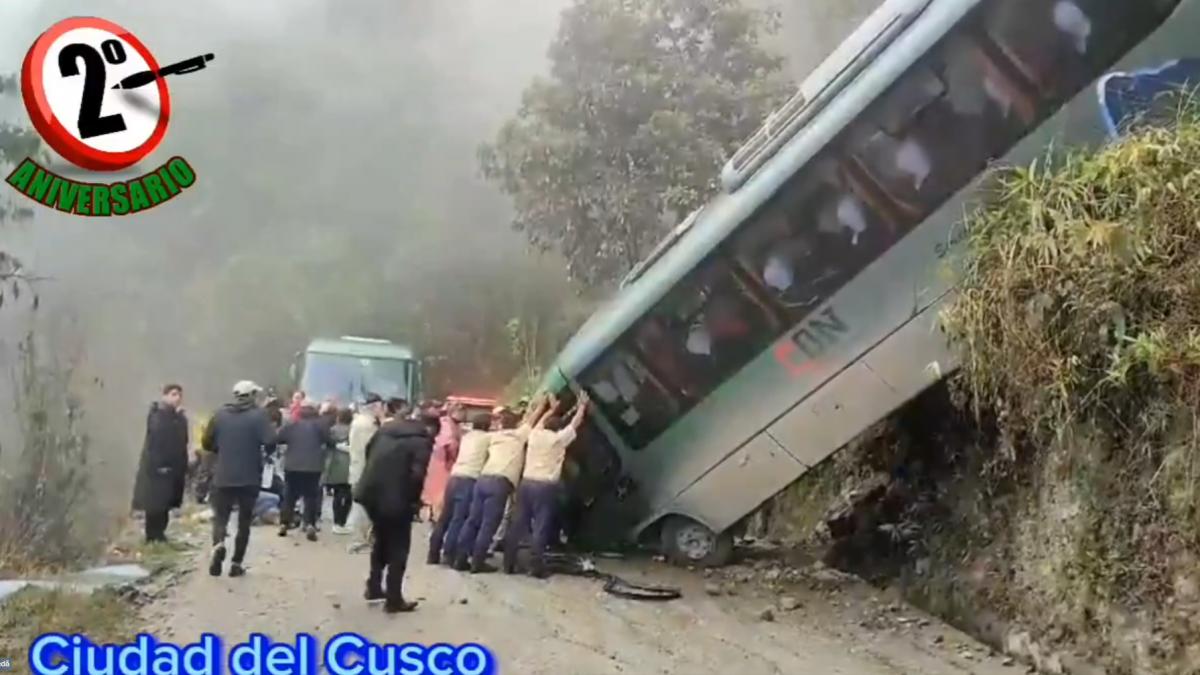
column 381, row 464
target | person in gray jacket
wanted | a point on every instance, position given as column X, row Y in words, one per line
column 240, row 434
column 308, row 442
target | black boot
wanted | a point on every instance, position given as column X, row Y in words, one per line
column 400, row 606
column 374, row 590
column 217, row 561
column 434, row 558
column 482, row 568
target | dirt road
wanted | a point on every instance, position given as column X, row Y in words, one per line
column 566, row 624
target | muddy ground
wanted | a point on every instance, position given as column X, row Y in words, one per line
column 757, row 617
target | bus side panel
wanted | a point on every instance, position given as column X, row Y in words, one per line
column 915, row 357
column 738, row 485
column 835, row 415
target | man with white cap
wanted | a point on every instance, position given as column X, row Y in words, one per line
column 239, row 435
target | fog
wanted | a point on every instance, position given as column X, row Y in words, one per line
column 334, row 145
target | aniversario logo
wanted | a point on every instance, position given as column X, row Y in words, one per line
column 99, row 99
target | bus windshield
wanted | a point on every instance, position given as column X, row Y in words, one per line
column 350, row 378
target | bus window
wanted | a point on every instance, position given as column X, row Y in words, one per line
column 630, row 398
column 1061, row 45
column 654, row 344
column 924, row 141
column 714, row 328
column 811, row 240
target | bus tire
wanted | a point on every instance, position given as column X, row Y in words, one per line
column 686, row 542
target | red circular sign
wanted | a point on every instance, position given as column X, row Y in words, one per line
column 131, row 124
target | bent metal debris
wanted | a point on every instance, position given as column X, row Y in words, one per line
column 119, row 198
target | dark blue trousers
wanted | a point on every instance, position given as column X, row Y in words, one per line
column 456, row 506
column 487, row 510
column 537, row 514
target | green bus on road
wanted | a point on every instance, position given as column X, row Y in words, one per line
column 349, row 368
column 800, row 306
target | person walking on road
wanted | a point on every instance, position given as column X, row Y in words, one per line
column 456, row 501
column 308, row 442
column 162, row 470
column 362, row 429
column 537, row 502
column 390, row 492
column 497, row 482
column 240, row 434
column 337, row 472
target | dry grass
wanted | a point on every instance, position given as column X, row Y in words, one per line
column 1079, row 318
column 103, row 616
column 48, row 518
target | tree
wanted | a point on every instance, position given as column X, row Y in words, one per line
column 16, row 143
column 645, row 101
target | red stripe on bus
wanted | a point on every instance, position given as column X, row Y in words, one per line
column 784, row 353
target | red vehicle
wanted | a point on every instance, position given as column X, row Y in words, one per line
column 473, row 404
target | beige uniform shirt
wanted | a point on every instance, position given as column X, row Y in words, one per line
column 545, row 454
column 472, row 454
column 506, row 453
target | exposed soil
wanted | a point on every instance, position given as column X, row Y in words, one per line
column 746, row 618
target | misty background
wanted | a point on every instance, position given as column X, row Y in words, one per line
column 338, row 193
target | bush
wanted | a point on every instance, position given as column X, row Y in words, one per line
column 1079, row 320
column 47, row 514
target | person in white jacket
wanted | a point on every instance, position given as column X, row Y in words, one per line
column 362, row 428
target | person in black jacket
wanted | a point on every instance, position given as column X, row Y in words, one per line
column 162, row 470
column 389, row 490
column 309, row 443
column 239, row 434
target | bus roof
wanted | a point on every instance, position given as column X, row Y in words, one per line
column 925, row 22
column 368, row 349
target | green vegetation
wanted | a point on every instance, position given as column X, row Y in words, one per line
column 47, row 506
column 645, row 101
column 1079, row 318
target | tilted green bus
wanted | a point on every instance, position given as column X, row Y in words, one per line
column 800, row 306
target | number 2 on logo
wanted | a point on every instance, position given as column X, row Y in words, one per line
column 91, row 124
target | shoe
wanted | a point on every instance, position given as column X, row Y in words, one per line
column 401, row 607
column 283, row 531
column 483, row 568
column 236, row 570
column 462, row 565
column 433, row 559
column 539, row 573
column 311, row 533
column 218, row 560
column 374, row 594
column 340, row 530
column 356, row 547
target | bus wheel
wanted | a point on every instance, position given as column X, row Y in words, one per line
column 687, row 542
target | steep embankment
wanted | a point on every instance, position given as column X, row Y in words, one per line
column 1048, row 498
